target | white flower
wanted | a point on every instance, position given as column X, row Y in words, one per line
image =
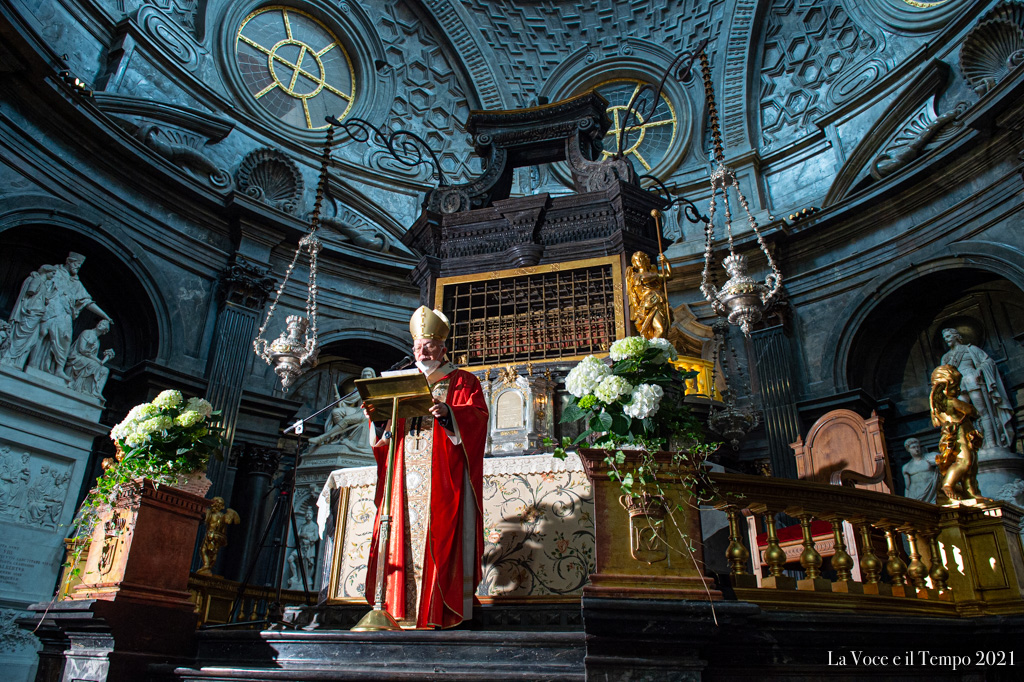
column 169, row 398
column 645, row 401
column 585, row 377
column 154, row 424
column 668, row 351
column 611, row 387
column 629, row 347
column 188, row 418
column 199, row 405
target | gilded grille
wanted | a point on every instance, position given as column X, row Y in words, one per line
column 555, row 312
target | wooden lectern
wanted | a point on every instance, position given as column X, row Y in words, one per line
column 402, row 395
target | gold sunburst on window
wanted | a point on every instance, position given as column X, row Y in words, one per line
column 295, row 67
column 649, row 139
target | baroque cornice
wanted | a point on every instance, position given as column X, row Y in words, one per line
column 734, row 92
column 213, row 127
column 475, row 57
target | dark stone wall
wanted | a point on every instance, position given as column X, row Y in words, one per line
column 887, row 122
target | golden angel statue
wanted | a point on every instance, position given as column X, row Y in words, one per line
column 217, row 520
column 648, row 300
column 959, row 441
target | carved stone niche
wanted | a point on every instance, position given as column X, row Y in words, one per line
column 268, row 175
column 994, row 47
column 520, row 412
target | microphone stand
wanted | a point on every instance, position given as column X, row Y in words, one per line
column 285, row 497
column 297, row 428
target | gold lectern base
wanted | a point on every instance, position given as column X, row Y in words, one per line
column 375, row 621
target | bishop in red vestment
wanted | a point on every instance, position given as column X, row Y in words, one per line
column 436, row 538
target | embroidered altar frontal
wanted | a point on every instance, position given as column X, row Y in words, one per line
column 538, row 531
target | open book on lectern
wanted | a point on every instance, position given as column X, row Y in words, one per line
column 407, row 390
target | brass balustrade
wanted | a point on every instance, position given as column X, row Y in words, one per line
column 959, row 561
column 214, row 596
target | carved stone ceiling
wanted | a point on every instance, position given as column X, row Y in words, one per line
column 529, row 40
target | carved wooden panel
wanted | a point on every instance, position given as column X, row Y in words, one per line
column 842, row 440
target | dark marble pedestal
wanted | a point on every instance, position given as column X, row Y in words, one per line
column 109, row 641
column 295, row 655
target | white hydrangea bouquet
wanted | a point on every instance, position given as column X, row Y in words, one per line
column 633, row 403
column 169, row 435
column 160, row 440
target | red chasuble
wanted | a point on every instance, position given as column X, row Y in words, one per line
column 456, row 482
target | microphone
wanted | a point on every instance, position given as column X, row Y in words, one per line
column 401, row 364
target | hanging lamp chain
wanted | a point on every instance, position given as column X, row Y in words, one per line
column 741, row 299
column 289, row 360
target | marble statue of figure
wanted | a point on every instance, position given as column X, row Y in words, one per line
column 15, row 475
column 45, row 498
column 648, row 305
column 959, row 441
column 87, row 371
column 66, row 298
column 217, row 520
column 26, row 318
column 920, row 474
column 5, row 331
column 346, row 422
column 294, row 576
column 309, row 533
column 984, row 389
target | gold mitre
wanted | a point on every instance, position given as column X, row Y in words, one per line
column 429, row 324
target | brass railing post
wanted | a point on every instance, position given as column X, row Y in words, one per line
column 896, row 567
column 870, row 564
column 774, row 555
column 842, row 562
column 737, row 553
column 810, row 559
column 938, row 573
column 916, row 570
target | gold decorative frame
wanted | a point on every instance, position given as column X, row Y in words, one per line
column 618, row 305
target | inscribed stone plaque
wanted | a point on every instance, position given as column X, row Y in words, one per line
column 509, row 411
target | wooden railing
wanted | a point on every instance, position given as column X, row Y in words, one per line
column 964, row 560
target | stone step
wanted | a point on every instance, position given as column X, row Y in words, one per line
column 298, row 656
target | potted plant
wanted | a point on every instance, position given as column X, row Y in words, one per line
column 646, row 455
column 165, row 442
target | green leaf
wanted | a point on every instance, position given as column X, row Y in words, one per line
column 582, row 437
column 620, row 457
column 604, row 421
column 621, row 423
column 571, row 413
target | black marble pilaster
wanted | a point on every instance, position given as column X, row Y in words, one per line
column 778, row 397
column 244, row 287
column 256, row 468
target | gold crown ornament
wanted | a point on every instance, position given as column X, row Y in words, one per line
column 429, row 324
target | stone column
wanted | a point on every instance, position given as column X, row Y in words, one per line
column 775, row 384
column 244, row 287
column 256, row 467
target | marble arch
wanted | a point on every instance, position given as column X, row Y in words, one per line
column 999, row 259
column 116, row 246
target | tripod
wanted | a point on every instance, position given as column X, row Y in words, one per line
column 282, row 505
column 284, row 502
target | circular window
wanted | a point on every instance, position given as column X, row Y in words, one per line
column 650, row 138
column 294, row 67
